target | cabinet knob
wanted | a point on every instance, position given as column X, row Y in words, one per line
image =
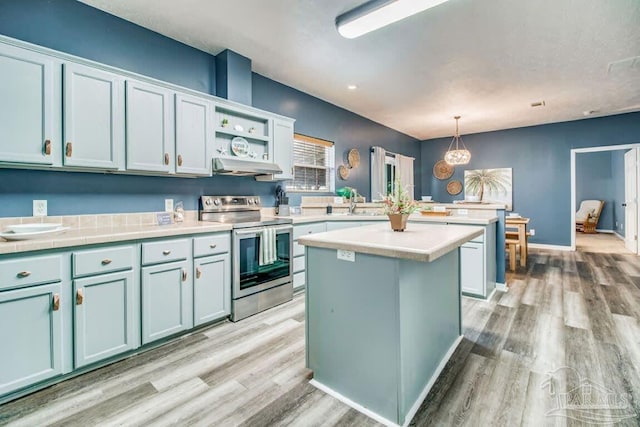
column 56, row 302
column 198, row 272
column 166, row 158
column 166, row 252
column 213, row 246
column 179, row 159
column 106, row 261
column 23, row 274
column 69, row 149
column 79, row 297
column 47, row 147
column 184, row 275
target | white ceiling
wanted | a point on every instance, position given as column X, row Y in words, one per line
column 486, row 60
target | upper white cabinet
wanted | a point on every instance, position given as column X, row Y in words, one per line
column 93, row 118
column 283, row 147
column 194, row 135
column 117, row 121
column 29, row 107
column 149, row 128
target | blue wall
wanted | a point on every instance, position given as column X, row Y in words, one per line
column 540, row 157
column 617, row 169
column 347, row 130
column 72, row 27
column 594, row 181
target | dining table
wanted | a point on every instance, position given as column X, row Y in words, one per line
column 519, row 223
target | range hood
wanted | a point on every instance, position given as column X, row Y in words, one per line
column 239, row 167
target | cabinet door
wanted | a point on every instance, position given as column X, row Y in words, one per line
column 104, row 315
column 149, row 128
column 93, row 118
column 283, row 148
column 167, row 300
column 211, row 288
column 472, row 269
column 29, row 107
column 193, row 135
column 31, row 336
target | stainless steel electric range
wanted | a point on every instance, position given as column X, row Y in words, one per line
column 258, row 282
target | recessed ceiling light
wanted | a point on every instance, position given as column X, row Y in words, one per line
column 352, row 87
column 538, row 104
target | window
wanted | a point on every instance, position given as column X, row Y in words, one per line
column 313, row 165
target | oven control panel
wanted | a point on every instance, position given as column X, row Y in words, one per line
column 218, row 203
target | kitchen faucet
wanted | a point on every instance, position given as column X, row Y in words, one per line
column 353, row 194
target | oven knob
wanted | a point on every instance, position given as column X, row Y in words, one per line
column 256, row 201
column 216, row 202
column 250, row 201
column 207, row 202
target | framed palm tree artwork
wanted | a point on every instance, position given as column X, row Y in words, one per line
column 490, row 185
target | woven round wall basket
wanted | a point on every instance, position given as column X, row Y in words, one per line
column 353, row 158
column 442, row 170
column 454, row 187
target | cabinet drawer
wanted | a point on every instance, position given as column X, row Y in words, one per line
column 299, row 280
column 211, row 245
column 301, row 230
column 29, row 271
column 298, row 249
column 165, row 251
column 105, row 260
column 298, row 263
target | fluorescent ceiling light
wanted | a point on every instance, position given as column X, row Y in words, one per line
column 352, row 87
column 379, row 13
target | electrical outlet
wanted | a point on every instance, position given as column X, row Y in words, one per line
column 532, row 231
column 168, row 205
column 39, row 208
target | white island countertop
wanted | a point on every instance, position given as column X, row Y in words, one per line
column 419, row 242
column 471, row 219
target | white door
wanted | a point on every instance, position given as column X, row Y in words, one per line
column 631, row 201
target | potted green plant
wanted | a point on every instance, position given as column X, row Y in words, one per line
column 225, row 122
column 398, row 205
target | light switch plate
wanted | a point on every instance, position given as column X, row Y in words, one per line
column 168, row 205
column 337, row 200
column 39, row 208
column 346, row 255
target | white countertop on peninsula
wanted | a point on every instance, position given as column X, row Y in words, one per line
column 109, row 234
column 419, row 242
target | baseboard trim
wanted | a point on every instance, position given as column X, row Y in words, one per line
column 549, row 247
column 502, row 287
column 414, row 409
column 605, row 231
column 619, row 236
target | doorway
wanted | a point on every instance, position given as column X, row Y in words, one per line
column 629, row 204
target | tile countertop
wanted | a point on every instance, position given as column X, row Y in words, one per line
column 114, row 233
column 419, row 242
column 473, row 219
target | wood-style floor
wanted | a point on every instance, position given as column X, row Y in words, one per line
column 601, row 243
column 578, row 311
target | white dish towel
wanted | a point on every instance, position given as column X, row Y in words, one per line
column 268, row 250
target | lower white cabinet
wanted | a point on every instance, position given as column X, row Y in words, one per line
column 69, row 309
column 31, row 335
column 472, row 273
column 167, row 300
column 211, row 288
column 105, row 313
column 299, row 277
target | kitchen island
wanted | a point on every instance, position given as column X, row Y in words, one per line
column 383, row 313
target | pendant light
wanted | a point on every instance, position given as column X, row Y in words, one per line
column 459, row 156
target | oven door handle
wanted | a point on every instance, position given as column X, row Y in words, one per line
column 254, row 231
